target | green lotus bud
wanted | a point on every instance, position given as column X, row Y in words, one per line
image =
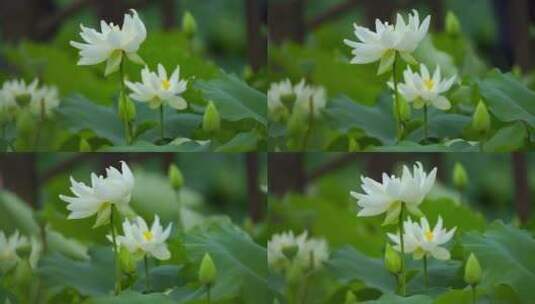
column 127, row 260
column 481, row 119
column 211, row 121
column 460, row 177
column 127, row 108
column 207, row 271
column 84, row 145
column 189, row 24
column 392, row 260
column 175, row 177
column 453, row 26
column 472, row 270
column 350, row 298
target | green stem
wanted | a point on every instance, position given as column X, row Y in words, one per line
column 147, row 276
column 426, row 126
column 208, row 298
column 122, row 95
column 396, row 100
column 116, row 251
column 310, row 124
column 402, row 243
column 426, row 275
column 474, row 296
column 162, row 123
column 39, row 125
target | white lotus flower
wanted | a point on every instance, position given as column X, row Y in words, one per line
column 139, row 239
column 310, row 98
column 114, row 189
column 157, row 88
column 44, row 100
column 112, row 42
column 277, row 93
column 13, row 89
column 281, row 246
column 313, row 253
column 387, row 197
column 9, row 247
column 422, row 89
column 388, row 39
column 421, row 241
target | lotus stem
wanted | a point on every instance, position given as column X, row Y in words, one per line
column 208, row 289
column 402, row 243
column 426, row 125
column 396, row 98
column 122, row 95
column 310, row 124
column 474, row 295
column 116, row 251
column 426, row 275
column 147, row 275
column 162, row 122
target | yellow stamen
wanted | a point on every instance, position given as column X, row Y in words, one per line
column 147, row 235
column 429, row 235
column 166, row 84
column 429, row 84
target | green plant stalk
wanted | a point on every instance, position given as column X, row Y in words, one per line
column 40, row 125
column 474, row 296
column 396, row 98
column 162, row 122
column 426, row 275
column 116, row 251
column 126, row 123
column 402, row 243
column 208, row 298
column 147, row 276
column 426, row 124
column 310, row 124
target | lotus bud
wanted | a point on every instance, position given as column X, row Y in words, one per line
column 189, row 25
column 472, row 271
column 350, row 298
column 175, row 177
column 481, row 119
column 453, row 26
column 460, row 177
column 207, row 271
column 84, row 145
column 392, row 260
column 211, row 121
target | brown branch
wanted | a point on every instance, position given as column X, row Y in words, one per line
column 332, row 13
column 522, row 192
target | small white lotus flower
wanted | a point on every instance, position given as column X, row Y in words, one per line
column 310, row 98
column 282, row 248
column 114, row 189
column 13, row 89
column 313, row 253
column 112, row 42
column 388, row 39
column 9, row 247
column 387, row 197
column 277, row 94
column 422, row 89
column 157, row 88
column 44, row 100
column 139, row 239
column 421, row 241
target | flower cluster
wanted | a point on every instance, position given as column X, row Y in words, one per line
column 305, row 98
column 287, row 250
column 17, row 94
column 9, row 247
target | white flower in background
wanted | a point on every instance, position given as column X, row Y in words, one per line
column 139, row 239
column 12, row 90
column 388, row 39
column 157, row 88
column 310, row 98
column 9, row 247
column 278, row 93
column 44, row 100
column 113, row 190
column 112, row 42
column 282, row 248
column 421, row 241
column 313, row 253
column 422, row 89
column 388, row 196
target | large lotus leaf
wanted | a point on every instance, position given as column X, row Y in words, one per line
column 506, row 255
column 442, row 275
column 162, row 277
column 394, row 299
column 132, row 297
column 458, row 145
column 377, row 121
column 241, row 263
column 453, row 214
column 242, row 142
column 442, row 125
column 507, row 139
column 234, row 99
column 348, row 265
column 16, row 214
column 79, row 113
column 94, row 277
column 507, row 98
